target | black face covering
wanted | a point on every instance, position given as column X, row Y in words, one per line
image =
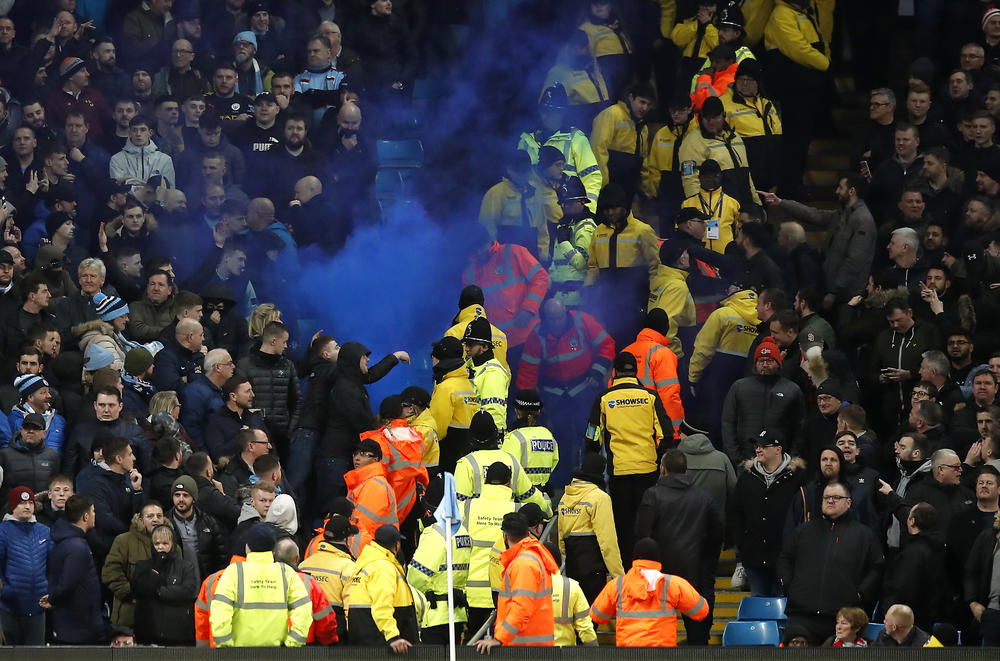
column 347, row 133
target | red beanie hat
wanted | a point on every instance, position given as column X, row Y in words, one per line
column 19, row 495
column 768, row 348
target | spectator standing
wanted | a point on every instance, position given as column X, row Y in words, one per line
column 128, row 549
column 165, row 586
column 74, row 589
column 849, row 575
column 25, row 545
column 275, row 383
column 915, row 577
column 199, row 535
column 684, row 521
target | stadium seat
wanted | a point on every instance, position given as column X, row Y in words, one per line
column 873, row 630
column 388, row 184
column 400, row 153
column 428, row 89
column 762, row 608
column 751, row 634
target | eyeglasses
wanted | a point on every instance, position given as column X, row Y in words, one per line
column 876, row 104
column 261, row 442
column 920, row 394
column 834, row 499
column 365, row 454
column 955, row 467
column 959, row 343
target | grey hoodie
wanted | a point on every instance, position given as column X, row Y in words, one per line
column 134, row 162
column 709, row 469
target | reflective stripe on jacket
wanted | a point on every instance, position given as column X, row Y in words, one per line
column 512, row 280
column 644, row 604
column 537, row 451
column 374, row 502
column 402, row 453
column 260, row 603
column 427, row 572
column 571, row 612
column 524, row 609
column 658, row 371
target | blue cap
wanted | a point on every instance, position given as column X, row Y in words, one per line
column 97, row 357
column 246, row 36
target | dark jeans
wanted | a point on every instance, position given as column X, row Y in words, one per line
column 763, row 582
column 23, row 629
column 989, row 627
column 438, row 635
column 300, row 458
column 626, row 493
column 698, row 633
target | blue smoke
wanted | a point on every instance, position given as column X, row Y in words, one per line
column 393, row 286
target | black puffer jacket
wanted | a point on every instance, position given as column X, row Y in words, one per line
column 275, row 388
column 213, row 542
column 28, row 465
column 165, row 587
column 759, row 510
column 349, row 411
column 828, row 564
column 755, row 403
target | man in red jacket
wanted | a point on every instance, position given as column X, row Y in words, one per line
column 567, row 357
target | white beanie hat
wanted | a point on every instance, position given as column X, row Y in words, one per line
column 282, row 513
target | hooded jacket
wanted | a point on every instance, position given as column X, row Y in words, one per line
column 165, row 586
column 349, row 411
column 587, row 536
column 729, row 332
column 453, row 403
column 379, row 602
column 524, row 610
column 915, row 577
column 709, row 469
column 645, row 604
column 24, row 549
column 760, row 504
column 74, row 590
column 115, row 503
column 134, row 162
column 103, row 335
column 669, row 291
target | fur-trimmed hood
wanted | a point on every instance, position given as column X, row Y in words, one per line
column 879, row 299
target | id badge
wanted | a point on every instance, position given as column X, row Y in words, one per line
column 712, row 230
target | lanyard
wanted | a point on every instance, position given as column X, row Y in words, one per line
column 706, row 207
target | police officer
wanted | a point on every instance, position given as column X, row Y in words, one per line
column 530, row 443
column 571, row 141
column 260, row 602
column 380, row 608
column 571, row 244
column 428, row 573
column 628, row 421
column 490, row 379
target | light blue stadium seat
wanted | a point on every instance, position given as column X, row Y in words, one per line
column 751, row 634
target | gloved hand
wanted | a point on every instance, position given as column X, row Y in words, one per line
column 431, row 599
column 564, row 233
column 460, row 599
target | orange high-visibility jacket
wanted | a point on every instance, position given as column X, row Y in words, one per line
column 402, row 453
column 512, row 280
column 202, row 627
column 644, row 604
column 658, row 371
column 324, row 626
column 374, row 502
column 716, row 85
column 584, row 347
column 524, row 610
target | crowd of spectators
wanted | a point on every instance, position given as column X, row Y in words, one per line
column 817, row 377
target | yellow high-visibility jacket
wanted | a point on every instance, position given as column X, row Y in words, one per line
column 466, row 316
column 572, row 612
column 427, row 572
column 796, row 35
column 260, row 603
